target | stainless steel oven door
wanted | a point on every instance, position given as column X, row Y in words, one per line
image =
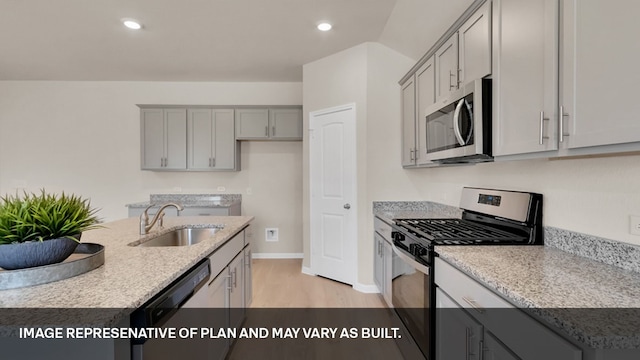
column 411, row 288
column 454, row 126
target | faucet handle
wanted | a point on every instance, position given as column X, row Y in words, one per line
column 160, row 220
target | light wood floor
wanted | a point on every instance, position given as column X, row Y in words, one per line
column 279, row 283
column 284, row 297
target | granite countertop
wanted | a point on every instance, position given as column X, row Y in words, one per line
column 389, row 210
column 595, row 303
column 191, row 200
column 130, row 275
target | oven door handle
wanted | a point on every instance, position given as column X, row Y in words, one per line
column 402, row 255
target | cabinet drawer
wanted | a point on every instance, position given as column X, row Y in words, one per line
column 521, row 333
column 466, row 291
column 382, row 228
column 225, row 253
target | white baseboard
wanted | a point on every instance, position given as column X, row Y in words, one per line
column 307, row 271
column 277, row 255
column 368, row 289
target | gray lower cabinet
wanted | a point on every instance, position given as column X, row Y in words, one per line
column 217, row 293
column 226, row 290
column 236, row 291
column 269, row 124
column 164, row 139
column 212, row 144
column 248, row 276
column 473, row 321
column 383, row 259
column 464, row 333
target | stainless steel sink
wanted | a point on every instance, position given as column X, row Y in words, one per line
column 181, row 237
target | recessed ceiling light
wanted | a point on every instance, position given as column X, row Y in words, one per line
column 324, row 26
column 132, row 24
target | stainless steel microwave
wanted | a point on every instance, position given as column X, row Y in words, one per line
column 458, row 128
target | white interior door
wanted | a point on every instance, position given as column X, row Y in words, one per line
column 333, row 222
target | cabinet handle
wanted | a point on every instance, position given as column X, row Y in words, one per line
column 229, row 283
column 451, row 75
column 481, row 350
column 459, row 77
column 411, row 154
column 273, row 131
column 209, row 162
column 561, row 121
column 266, row 131
column 415, row 154
column 473, row 304
column 542, row 120
column 213, row 162
column 235, row 278
column 466, row 343
column 247, row 260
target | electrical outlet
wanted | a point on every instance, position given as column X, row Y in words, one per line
column 222, row 188
column 177, row 189
column 271, row 234
column 634, row 224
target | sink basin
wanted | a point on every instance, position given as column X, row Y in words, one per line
column 182, row 237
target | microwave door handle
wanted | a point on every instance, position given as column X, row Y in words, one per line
column 456, row 123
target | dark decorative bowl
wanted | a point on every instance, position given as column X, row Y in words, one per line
column 36, row 253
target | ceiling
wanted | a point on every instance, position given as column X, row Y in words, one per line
column 204, row 40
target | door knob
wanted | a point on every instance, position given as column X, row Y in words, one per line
column 347, row 206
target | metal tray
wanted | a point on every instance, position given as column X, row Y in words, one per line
column 87, row 257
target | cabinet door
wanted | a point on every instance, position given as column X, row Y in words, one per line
column 286, row 124
column 446, row 59
column 236, row 291
column 176, row 138
column 218, row 302
column 474, row 37
column 525, row 76
column 252, row 123
column 408, row 122
column 152, row 138
column 200, row 138
column 425, row 95
column 224, row 141
column 378, row 262
column 459, row 335
column 387, row 277
column 248, row 276
column 495, row 350
column 601, row 105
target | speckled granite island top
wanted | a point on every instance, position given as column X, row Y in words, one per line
column 130, row 275
column 562, row 289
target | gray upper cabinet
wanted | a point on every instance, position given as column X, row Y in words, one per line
column 463, row 56
column 212, row 144
column 563, row 104
column 409, row 122
column 163, row 139
column 600, row 107
column 425, row 97
column 525, row 76
column 269, row 124
column 252, row 124
column 286, row 124
column 474, row 46
column 446, row 59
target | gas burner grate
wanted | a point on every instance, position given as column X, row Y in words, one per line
column 458, row 232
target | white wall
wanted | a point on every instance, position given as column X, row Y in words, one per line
column 84, row 137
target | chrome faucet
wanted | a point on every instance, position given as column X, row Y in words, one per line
column 145, row 226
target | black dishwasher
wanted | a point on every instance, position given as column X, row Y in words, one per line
column 165, row 310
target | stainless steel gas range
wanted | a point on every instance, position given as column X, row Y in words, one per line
column 490, row 217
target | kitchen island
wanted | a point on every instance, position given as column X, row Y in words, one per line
column 130, row 276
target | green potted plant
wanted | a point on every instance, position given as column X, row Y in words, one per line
column 42, row 229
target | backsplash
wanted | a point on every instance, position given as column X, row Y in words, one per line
column 623, row 255
column 620, row 254
column 190, row 198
